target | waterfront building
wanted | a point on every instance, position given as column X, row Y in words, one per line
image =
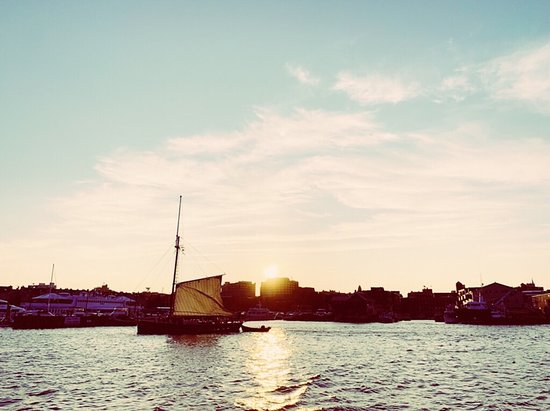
column 5, row 289
column 500, row 303
column 426, row 305
column 239, row 296
column 419, row 304
column 357, row 308
column 306, row 298
column 7, row 293
column 280, row 288
column 279, row 294
column 541, row 302
column 65, row 303
column 42, row 287
column 371, row 305
column 491, row 293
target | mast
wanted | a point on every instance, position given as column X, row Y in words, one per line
column 51, row 282
column 176, row 261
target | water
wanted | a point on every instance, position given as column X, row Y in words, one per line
column 297, row 365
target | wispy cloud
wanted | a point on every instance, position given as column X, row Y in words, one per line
column 457, row 86
column 314, row 180
column 523, row 75
column 376, row 88
column 302, row 75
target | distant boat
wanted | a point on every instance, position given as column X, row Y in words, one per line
column 449, row 315
column 474, row 312
column 262, row 329
column 259, row 314
column 41, row 318
column 38, row 320
column 196, row 306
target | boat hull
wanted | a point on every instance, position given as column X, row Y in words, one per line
column 187, row 327
column 488, row 317
column 262, row 329
column 470, row 316
column 31, row 322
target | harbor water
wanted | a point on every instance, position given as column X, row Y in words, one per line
column 297, row 365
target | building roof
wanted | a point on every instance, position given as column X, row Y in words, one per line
column 53, row 296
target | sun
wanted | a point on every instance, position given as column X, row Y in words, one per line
column 271, row 272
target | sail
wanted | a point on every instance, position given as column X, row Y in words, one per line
column 200, row 297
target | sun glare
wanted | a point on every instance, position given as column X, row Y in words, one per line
column 271, row 271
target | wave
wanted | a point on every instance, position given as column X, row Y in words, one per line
column 42, row 393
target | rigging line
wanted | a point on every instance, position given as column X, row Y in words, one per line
column 203, row 256
column 153, row 268
column 196, row 261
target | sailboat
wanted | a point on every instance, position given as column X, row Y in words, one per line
column 45, row 319
column 196, row 306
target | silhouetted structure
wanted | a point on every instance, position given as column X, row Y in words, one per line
column 497, row 303
column 426, row 305
column 239, row 296
column 279, row 294
column 542, row 303
column 526, row 303
column 372, row 305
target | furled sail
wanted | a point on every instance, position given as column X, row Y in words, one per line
column 200, row 298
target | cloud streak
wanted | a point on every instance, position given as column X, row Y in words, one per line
column 376, row 88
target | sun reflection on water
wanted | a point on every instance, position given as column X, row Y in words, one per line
column 272, row 385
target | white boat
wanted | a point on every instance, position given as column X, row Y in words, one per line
column 67, row 304
column 259, row 314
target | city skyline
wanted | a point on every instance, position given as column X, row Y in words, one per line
column 339, row 144
column 270, row 281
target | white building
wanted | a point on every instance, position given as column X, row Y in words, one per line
column 65, row 303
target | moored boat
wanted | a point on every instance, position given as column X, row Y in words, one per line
column 259, row 314
column 262, row 329
column 474, row 312
column 449, row 315
column 41, row 318
column 38, row 321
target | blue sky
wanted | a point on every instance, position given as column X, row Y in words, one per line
column 372, row 143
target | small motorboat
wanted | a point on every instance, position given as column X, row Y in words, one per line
column 262, row 329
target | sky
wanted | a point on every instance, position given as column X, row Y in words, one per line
column 401, row 144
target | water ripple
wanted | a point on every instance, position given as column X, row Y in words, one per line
column 296, row 366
